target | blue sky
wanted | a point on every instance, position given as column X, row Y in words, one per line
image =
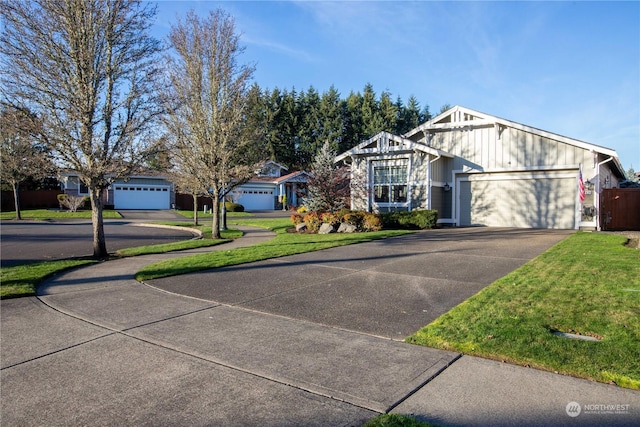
column 571, row 68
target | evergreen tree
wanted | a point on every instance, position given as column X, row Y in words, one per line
column 332, row 115
column 328, row 187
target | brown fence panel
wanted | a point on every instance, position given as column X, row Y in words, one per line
column 185, row 201
column 31, row 199
column 620, row 209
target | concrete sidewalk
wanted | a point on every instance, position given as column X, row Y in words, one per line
column 98, row 348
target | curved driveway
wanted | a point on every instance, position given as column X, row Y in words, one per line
column 25, row 241
column 300, row 340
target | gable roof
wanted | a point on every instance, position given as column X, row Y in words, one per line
column 458, row 116
column 385, row 142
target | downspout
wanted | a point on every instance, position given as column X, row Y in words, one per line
column 598, row 226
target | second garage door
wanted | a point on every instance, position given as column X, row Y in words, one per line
column 524, row 202
column 141, row 197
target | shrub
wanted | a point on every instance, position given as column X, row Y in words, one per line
column 354, row 218
column 371, row 222
column 302, row 209
column 330, row 218
column 313, row 221
column 416, row 219
column 296, row 218
column 72, row 203
column 233, row 207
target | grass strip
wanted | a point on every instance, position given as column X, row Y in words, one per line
column 396, row 420
column 588, row 284
column 49, row 214
column 283, row 244
column 22, row 280
column 227, row 235
column 209, row 215
column 169, row 247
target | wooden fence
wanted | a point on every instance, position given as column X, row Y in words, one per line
column 620, row 209
column 31, row 199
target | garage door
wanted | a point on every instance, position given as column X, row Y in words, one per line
column 141, row 197
column 547, row 202
column 257, row 199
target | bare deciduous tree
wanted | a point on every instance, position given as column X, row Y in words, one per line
column 87, row 69
column 21, row 156
column 208, row 93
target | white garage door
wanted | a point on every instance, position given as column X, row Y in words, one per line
column 257, row 199
column 548, row 202
column 141, row 197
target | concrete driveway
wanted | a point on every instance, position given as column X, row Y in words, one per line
column 298, row 341
column 388, row 288
column 26, row 241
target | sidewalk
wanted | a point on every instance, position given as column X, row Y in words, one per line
column 98, row 348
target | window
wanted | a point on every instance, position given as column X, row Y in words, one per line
column 390, row 184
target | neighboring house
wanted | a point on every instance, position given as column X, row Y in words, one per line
column 271, row 188
column 136, row 192
column 478, row 169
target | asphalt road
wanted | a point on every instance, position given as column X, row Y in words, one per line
column 28, row 241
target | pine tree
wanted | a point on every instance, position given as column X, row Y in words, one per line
column 328, row 188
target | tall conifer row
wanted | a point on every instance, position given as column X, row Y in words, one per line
column 294, row 125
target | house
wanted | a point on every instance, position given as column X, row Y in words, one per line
column 148, row 191
column 271, row 188
column 478, row 169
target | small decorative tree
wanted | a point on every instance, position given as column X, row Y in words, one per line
column 328, row 187
column 73, row 203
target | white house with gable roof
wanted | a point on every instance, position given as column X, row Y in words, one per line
column 480, row 170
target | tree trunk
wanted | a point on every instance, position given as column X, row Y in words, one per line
column 195, row 209
column 215, row 210
column 99, row 242
column 16, row 200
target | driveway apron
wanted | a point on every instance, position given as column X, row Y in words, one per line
column 302, row 340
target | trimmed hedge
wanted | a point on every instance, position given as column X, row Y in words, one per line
column 233, row 207
column 417, row 219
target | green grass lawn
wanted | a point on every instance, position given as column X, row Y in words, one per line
column 282, row 245
column 206, row 241
column 21, row 280
column 209, row 215
column 588, row 284
column 47, row 214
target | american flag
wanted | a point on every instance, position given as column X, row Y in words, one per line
column 581, row 186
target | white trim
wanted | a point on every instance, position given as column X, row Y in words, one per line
column 484, row 119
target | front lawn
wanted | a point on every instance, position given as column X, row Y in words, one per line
column 48, row 214
column 588, row 284
column 22, row 280
column 206, row 241
column 283, row 244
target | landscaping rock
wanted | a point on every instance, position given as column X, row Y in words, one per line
column 346, row 228
column 326, row 229
column 301, row 227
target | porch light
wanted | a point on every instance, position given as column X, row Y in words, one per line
column 447, row 187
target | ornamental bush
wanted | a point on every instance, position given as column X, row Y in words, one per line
column 416, row 219
column 296, row 218
column 330, row 218
column 313, row 221
column 371, row 222
column 234, row 207
column 355, row 218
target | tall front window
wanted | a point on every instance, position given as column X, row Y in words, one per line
column 390, row 184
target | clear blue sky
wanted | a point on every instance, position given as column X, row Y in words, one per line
column 571, row 68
